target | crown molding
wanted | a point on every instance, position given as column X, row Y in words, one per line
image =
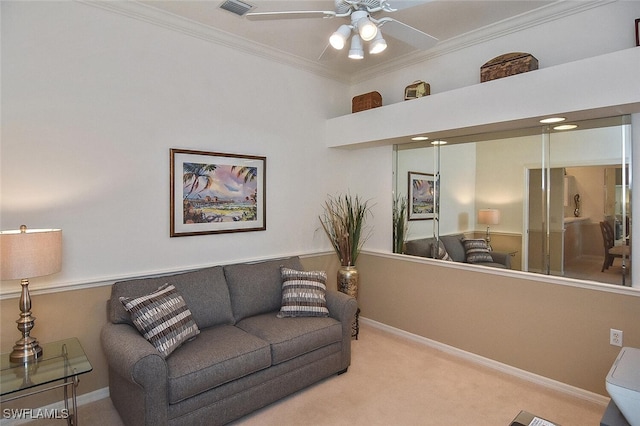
column 145, row 13
column 549, row 13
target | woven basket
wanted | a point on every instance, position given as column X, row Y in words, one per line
column 506, row 65
column 366, row 101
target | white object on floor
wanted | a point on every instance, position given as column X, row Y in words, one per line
column 623, row 384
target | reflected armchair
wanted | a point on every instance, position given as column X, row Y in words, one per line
column 611, row 251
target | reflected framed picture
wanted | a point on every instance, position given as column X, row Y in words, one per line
column 213, row 193
column 421, row 196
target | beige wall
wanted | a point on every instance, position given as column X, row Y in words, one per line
column 556, row 331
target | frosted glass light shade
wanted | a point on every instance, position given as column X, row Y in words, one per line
column 366, row 29
column 356, row 51
column 339, row 38
column 378, row 44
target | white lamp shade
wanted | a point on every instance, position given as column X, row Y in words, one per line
column 489, row 216
column 339, row 38
column 29, row 254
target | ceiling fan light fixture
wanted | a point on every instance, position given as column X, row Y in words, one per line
column 339, row 38
column 378, row 44
column 366, row 28
column 356, row 51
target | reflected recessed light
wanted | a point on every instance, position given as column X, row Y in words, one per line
column 565, row 127
column 420, row 138
column 551, row 120
column 439, row 143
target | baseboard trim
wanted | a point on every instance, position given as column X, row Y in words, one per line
column 495, row 365
column 468, row 356
column 83, row 399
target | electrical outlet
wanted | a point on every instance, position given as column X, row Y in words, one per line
column 615, row 337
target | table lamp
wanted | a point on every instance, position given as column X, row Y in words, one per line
column 488, row 217
column 24, row 254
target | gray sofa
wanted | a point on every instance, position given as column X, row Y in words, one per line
column 244, row 357
column 454, row 247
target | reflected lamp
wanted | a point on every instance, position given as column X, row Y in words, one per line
column 24, row 254
column 489, row 217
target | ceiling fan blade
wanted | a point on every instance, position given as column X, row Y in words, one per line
column 407, row 34
column 290, row 14
column 405, row 4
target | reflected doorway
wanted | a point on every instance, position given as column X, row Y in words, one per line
column 573, row 245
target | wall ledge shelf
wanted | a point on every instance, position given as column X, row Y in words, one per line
column 601, row 86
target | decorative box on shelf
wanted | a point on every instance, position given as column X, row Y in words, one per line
column 416, row 90
column 506, row 65
column 366, row 101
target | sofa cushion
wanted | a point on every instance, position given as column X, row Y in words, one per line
column 205, row 292
column 477, row 251
column 256, row 288
column 419, row 247
column 303, row 293
column 453, row 244
column 292, row 337
column 219, row 355
column 163, row 318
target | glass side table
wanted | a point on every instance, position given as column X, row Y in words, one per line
column 60, row 361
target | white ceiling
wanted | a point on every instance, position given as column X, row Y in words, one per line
column 302, row 41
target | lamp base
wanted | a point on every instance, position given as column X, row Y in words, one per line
column 488, row 239
column 26, row 350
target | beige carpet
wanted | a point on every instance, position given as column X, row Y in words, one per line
column 393, row 381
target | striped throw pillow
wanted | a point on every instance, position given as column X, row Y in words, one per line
column 163, row 318
column 476, row 251
column 303, row 293
column 443, row 254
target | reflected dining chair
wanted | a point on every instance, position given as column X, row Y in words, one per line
column 611, row 251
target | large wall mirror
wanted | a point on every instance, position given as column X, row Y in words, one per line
column 555, row 199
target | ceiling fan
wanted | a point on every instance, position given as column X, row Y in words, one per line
column 363, row 26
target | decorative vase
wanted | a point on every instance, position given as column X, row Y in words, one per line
column 348, row 280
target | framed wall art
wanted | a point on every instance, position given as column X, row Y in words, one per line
column 215, row 193
column 638, row 32
column 421, row 196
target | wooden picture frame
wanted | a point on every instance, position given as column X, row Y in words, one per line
column 421, row 196
column 212, row 192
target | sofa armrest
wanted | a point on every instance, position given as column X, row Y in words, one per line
column 343, row 308
column 142, row 372
column 503, row 258
column 132, row 356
